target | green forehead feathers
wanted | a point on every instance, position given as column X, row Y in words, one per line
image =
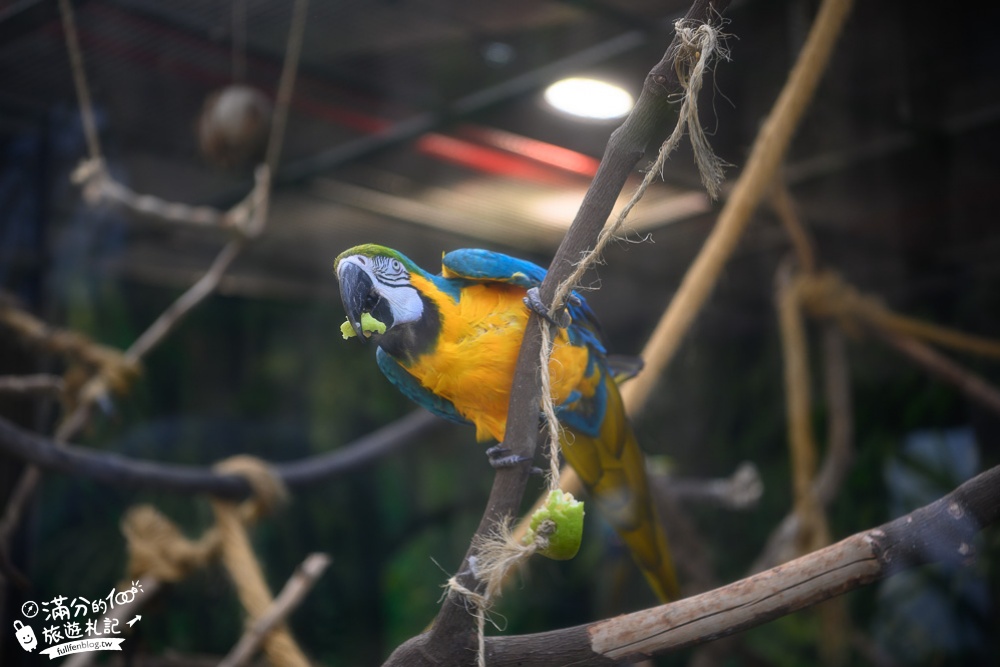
column 372, row 250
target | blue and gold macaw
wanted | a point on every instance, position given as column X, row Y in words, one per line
column 451, row 344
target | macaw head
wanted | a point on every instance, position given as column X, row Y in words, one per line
column 378, row 280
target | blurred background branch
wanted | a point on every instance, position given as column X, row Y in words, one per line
column 119, row 471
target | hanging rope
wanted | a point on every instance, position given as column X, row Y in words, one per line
column 238, row 556
column 157, row 548
column 80, row 80
column 264, row 173
column 758, row 175
column 239, row 39
column 701, row 45
column 249, row 216
column 496, row 555
column 286, row 84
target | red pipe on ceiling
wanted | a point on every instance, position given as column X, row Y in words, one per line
column 484, row 149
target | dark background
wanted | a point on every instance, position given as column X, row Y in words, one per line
column 894, row 171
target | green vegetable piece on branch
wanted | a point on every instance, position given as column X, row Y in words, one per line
column 559, row 523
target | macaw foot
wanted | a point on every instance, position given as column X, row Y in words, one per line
column 500, row 457
column 561, row 318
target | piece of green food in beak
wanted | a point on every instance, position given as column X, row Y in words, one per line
column 369, row 325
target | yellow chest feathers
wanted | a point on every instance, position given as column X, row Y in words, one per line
column 473, row 363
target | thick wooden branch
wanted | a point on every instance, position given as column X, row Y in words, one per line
column 120, row 471
column 942, row 531
column 452, row 637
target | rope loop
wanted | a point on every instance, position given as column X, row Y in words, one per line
column 269, row 492
column 157, row 547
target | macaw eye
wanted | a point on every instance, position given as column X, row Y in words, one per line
column 396, row 266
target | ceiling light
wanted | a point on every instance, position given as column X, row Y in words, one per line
column 589, row 98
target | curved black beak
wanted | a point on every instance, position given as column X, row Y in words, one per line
column 356, row 290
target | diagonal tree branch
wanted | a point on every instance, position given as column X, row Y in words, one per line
column 451, row 639
column 942, row 531
column 940, row 366
column 291, row 595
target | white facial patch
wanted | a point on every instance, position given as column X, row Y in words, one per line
column 391, row 282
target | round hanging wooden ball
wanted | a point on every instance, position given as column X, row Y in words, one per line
column 234, row 125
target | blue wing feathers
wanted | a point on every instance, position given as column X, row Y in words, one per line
column 485, row 265
column 585, row 415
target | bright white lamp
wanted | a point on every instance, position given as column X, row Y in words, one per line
column 589, row 98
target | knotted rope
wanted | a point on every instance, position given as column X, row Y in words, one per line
column 85, row 357
column 496, row 555
column 826, row 295
column 157, row 548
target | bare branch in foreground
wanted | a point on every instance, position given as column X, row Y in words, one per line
column 942, row 531
column 291, row 595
